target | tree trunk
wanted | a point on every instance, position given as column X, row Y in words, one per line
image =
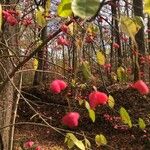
column 40, row 77
column 138, row 11
column 6, row 95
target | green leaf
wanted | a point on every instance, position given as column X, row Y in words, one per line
column 100, row 58
column 87, row 105
column 87, row 143
column 125, row 117
column 85, row 8
column 121, row 74
column 64, row 8
column 92, row 114
column 141, row 123
column 39, row 15
column 111, row 101
column 1, row 19
column 147, row 6
column 100, row 140
column 85, row 67
column 74, row 141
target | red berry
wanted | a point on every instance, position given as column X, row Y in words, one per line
column 5, row 14
column 26, row 21
column 11, row 20
column 97, row 98
column 71, row 119
column 38, row 148
column 115, row 45
column 28, row 144
column 141, row 87
column 62, row 41
column 64, row 28
column 89, row 39
column 107, row 66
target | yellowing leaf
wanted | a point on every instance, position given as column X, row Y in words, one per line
column 121, row 74
column 64, row 8
column 40, row 18
column 85, row 67
column 100, row 58
column 147, row 6
column 35, row 64
column 81, row 102
column 129, row 27
column 141, row 123
column 100, row 140
column 111, row 101
column 1, row 18
column 70, row 144
column 125, row 117
column 74, row 141
column 138, row 21
column 87, row 143
column 92, row 29
column 92, row 114
column 80, row 145
column 87, row 106
column 47, row 7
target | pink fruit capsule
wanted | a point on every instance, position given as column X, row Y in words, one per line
column 97, row 98
column 57, row 86
column 71, row 119
column 141, row 87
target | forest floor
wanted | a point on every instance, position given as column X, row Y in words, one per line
column 118, row 135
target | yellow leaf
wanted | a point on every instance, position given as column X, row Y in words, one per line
column 1, row 18
column 147, row 6
column 129, row 27
column 47, row 7
column 92, row 114
column 111, row 101
column 35, row 64
column 121, row 74
column 100, row 58
column 125, row 117
column 40, row 18
column 100, row 140
column 141, row 123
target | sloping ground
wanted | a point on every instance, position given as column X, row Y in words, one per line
column 52, row 108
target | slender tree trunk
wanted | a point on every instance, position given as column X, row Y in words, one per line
column 42, row 58
column 138, row 11
column 116, row 32
column 39, row 76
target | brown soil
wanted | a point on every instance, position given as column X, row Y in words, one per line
column 52, row 108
